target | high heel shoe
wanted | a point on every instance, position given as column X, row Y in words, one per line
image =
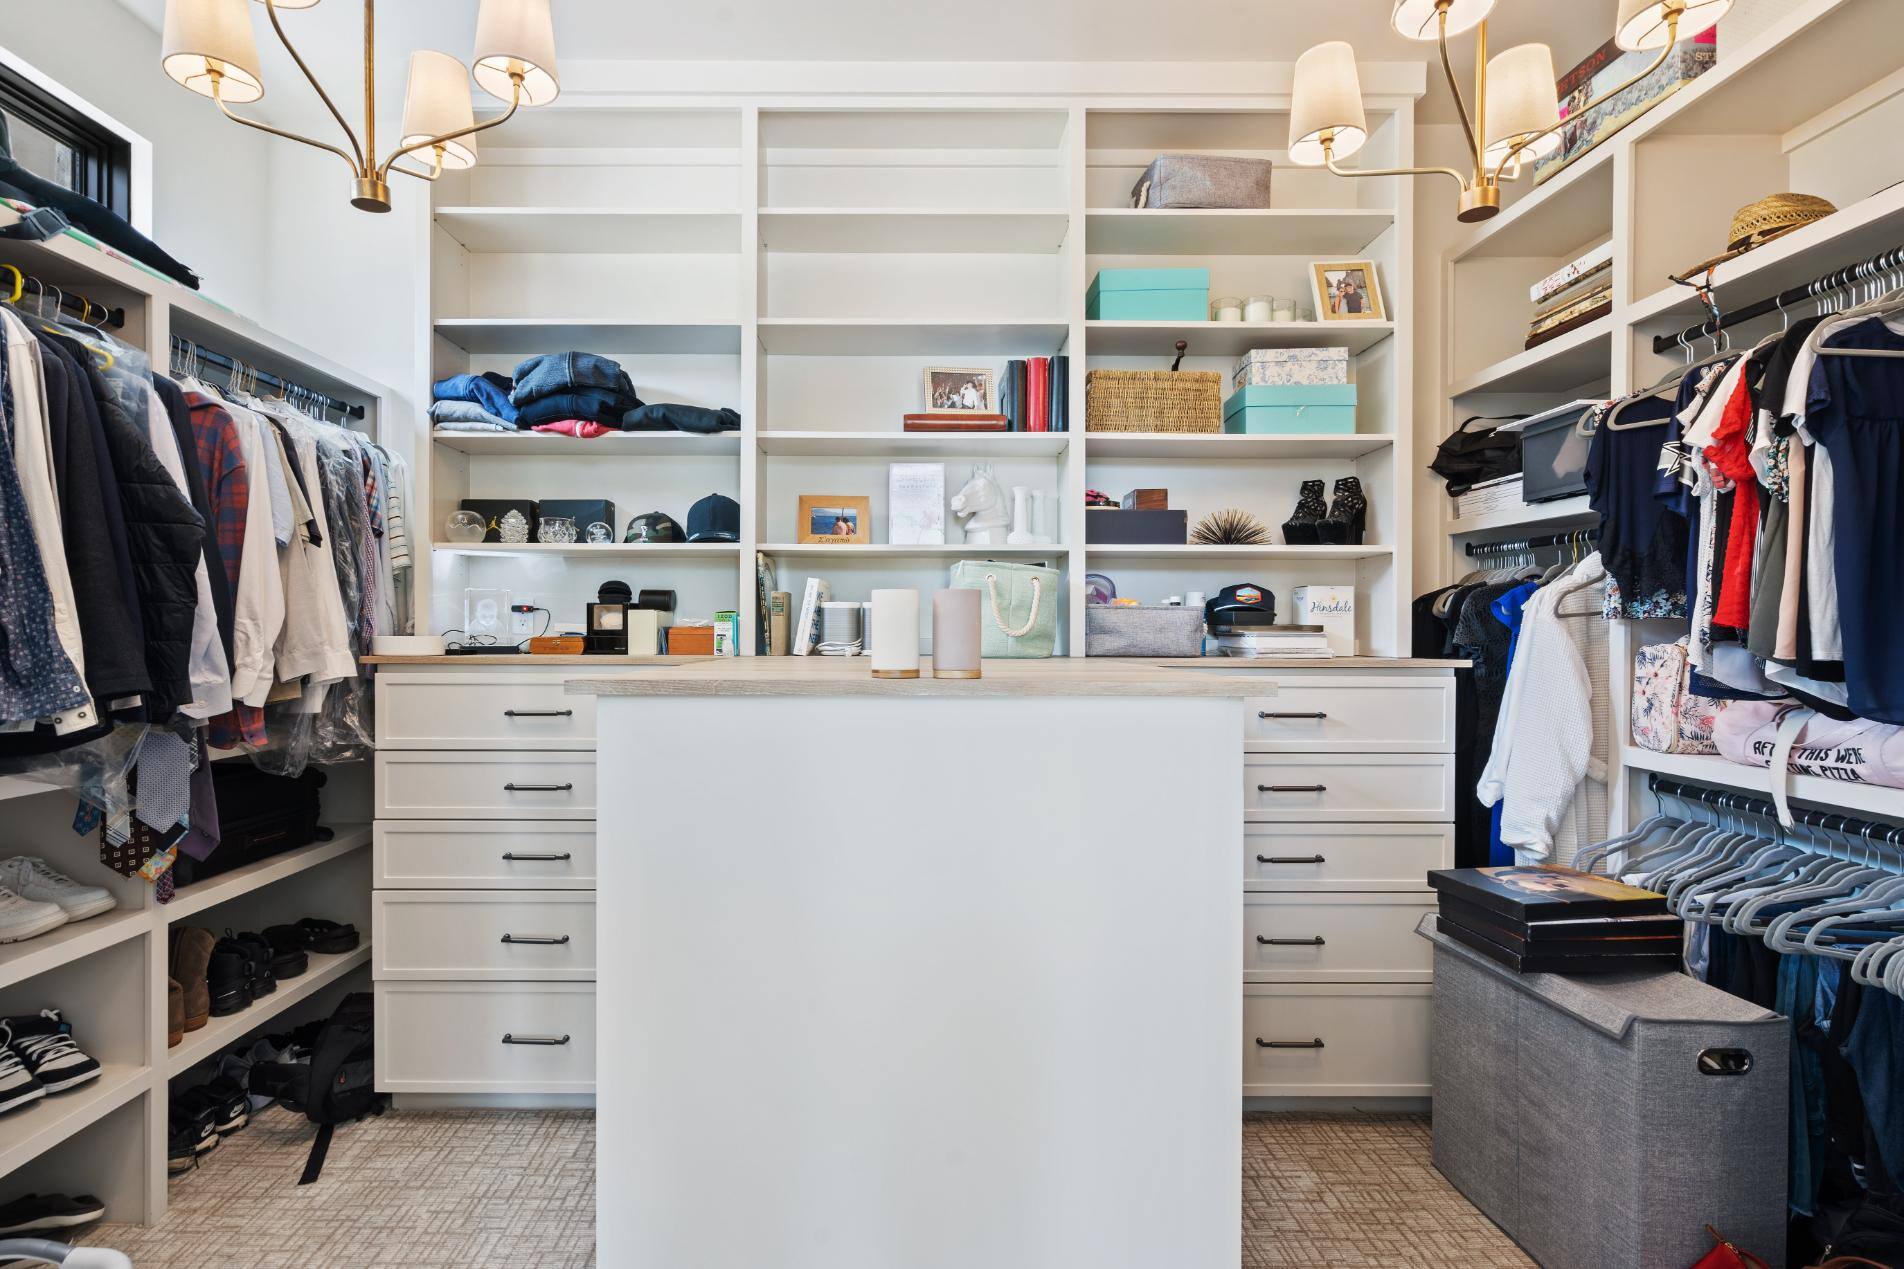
column 1300, row 529
column 1348, row 515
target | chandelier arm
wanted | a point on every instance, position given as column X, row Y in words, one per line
column 515, row 103
column 1672, row 31
column 218, row 97
column 1454, row 87
column 436, row 167
column 1449, row 172
column 358, row 164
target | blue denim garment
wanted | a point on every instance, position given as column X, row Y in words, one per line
column 1805, row 1127
column 466, row 412
column 491, row 391
column 551, row 373
column 597, row 405
column 1875, row 1049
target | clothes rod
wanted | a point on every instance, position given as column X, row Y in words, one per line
column 1733, row 801
column 1579, row 537
column 1822, row 285
column 202, row 354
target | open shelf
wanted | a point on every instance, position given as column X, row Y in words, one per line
column 614, row 445
column 580, row 230
column 595, row 550
column 1194, row 551
column 1222, row 448
column 1578, row 357
column 221, row 1033
column 23, row 960
column 1555, row 219
column 896, row 551
column 1228, row 339
column 1835, row 795
column 195, row 898
column 1561, row 513
column 527, row 335
column 900, row 337
column 978, row 231
column 1276, row 231
column 28, row 1133
column 915, row 444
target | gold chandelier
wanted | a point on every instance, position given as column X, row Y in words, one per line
column 1515, row 113
column 209, row 49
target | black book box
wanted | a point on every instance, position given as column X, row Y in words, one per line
column 492, row 510
column 1113, row 527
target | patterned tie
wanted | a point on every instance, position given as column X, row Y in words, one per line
column 165, row 779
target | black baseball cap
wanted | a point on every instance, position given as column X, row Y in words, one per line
column 715, row 518
column 1242, row 597
column 653, row 526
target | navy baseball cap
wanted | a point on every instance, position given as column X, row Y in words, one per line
column 653, row 526
column 715, row 518
column 1242, row 597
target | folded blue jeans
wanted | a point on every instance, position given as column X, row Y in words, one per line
column 490, row 390
column 597, row 405
column 551, row 373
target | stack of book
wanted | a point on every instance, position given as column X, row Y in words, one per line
column 1034, row 394
column 1295, row 642
column 1570, row 297
column 1503, row 493
column 1557, row 921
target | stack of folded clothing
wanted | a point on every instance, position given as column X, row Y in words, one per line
column 1570, row 297
column 1556, row 920
column 579, row 387
column 473, row 403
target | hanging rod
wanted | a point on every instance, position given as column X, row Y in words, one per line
column 1727, row 799
column 1582, row 537
column 200, row 353
column 1821, row 285
column 16, row 282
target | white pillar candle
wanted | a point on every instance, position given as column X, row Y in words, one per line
column 1227, row 309
column 1257, row 309
column 955, row 634
column 895, row 634
column 1284, row 311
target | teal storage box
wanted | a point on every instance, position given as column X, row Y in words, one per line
column 1149, row 295
column 1285, row 409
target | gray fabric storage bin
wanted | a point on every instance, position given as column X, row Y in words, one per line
column 1202, row 180
column 1155, row 630
column 1573, row 1111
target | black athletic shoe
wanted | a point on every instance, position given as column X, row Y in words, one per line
column 288, row 957
column 194, row 1127
column 263, row 978
column 229, row 977
column 44, row 1213
column 328, row 937
column 182, row 1146
column 231, row 1104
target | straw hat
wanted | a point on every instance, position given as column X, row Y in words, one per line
column 1758, row 223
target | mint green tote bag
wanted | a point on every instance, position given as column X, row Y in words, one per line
column 1018, row 606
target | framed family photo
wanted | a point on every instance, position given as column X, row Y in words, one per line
column 826, row 519
column 1347, row 291
column 958, row 390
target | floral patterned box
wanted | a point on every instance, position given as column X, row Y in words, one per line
column 1291, row 367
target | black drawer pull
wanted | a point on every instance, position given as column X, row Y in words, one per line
column 513, row 787
column 1292, row 788
column 554, row 940
column 1283, row 859
column 1267, row 941
column 507, row 1038
column 538, row 713
column 1289, row 1044
column 1317, row 716
column 512, row 857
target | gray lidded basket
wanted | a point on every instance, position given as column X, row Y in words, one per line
column 1202, row 180
column 1156, row 630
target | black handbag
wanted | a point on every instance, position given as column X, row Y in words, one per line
column 1469, row 458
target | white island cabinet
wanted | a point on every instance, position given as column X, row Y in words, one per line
column 924, row 973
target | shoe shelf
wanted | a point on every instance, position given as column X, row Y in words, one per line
column 221, row 1033
column 28, row 1133
column 196, row 898
column 21, row 961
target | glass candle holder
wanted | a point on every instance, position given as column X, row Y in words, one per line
column 1283, row 311
column 1258, row 308
column 1226, row 308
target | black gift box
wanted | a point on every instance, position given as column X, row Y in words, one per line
column 1110, row 527
column 492, row 510
column 584, row 511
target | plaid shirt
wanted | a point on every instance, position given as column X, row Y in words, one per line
column 221, row 461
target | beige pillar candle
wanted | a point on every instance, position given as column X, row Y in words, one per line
column 895, row 634
column 955, row 634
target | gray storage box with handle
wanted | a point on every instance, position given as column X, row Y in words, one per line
column 1152, row 630
column 1604, row 1120
column 1202, row 180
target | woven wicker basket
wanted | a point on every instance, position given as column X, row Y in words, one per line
column 1180, row 401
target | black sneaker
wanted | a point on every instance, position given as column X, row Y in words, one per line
column 230, row 1104
column 263, row 979
column 43, row 1213
column 182, row 1146
column 17, row 1086
column 288, row 957
column 194, row 1125
column 44, row 1042
column 229, row 977
column 328, row 937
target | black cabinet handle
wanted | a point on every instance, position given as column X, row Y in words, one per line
column 1292, row 788
column 1317, row 716
column 555, row 940
column 1289, row 1044
column 513, row 787
column 507, row 1038
column 512, row 857
column 1273, row 859
column 1266, row 941
column 538, row 713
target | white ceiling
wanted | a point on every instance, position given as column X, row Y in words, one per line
column 936, row 30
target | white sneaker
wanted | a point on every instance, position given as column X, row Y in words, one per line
column 22, row 918
column 30, row 878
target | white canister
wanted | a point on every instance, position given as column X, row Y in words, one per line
column 895, row 634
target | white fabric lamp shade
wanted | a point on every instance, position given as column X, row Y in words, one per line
column 516, row 36
column 207, row 36
column 1642, row 23
column 1521, row 100
column 437, row 102
column 1327, row 99
column 1415, row 19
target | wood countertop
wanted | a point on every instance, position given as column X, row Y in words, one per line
column 853, row 676
column 612, row 662
column 524, row 659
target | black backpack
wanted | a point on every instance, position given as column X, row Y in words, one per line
column 340, row 1084
column 1468, row 458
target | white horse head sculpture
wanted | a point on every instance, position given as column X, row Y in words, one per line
column 982, row 509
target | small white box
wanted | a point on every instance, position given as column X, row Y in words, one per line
column 1332, row 608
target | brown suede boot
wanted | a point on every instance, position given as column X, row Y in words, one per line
column 191, row 953
column 174, row 1013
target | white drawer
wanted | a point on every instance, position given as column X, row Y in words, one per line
column 1336, row 938
column 484, row 855
column 450, row 1038
column 448, row 786
column 497, row 710
column 1358, row 713
column 1373, row 1040
column 1300, row 857
column 482, row 935
column 1384, row 788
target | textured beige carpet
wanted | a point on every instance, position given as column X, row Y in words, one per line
column 516, row 1188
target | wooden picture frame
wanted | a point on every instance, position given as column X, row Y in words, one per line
column 950, row 390
column 835, row 520
column 1347, row 291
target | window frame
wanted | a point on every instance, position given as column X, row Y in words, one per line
column 104, row 157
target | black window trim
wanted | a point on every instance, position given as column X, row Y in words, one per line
column 104, row 157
